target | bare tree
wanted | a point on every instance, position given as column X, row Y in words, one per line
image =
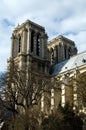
column 24, row 89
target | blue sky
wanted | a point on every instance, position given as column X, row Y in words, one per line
column 59, row 17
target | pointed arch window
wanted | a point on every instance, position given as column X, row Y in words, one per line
column 19, row 44
column 52, row 55
column 57, row 54
column 32, row 41
column 38, row 45
column 69, row 52
column 65, row 52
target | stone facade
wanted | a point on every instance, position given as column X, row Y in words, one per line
column 61, row 48
column 30, row 47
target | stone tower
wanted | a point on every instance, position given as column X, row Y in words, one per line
column 60, row 49
column 29, row 46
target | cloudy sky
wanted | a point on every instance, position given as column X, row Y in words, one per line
column 59, row 17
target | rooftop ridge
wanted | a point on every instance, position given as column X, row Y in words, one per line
column 60, row 36
column 29, row 22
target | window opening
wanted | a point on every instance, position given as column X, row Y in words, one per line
column 52, row 56
column 65, row 51
column 69, row 53
column 32, row 41
column 38, row 45
column 19, row 44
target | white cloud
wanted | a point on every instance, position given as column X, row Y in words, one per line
column 57, row 16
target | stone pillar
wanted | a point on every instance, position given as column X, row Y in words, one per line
column 63, row 95
column 45, row 46
column 41, row 47
column 24, row 41
column 28, row 40
column 63, row 91
column 55, row 55
column 52, row 99
column 42, row 102
column 63, row 53
column 15, row 47
column 75, row 102
column 59, row 53
column 12, row 46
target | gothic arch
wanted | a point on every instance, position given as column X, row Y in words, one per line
column 19, row 47
column 32, row 41
column 52, row 55
column 38, row 45
column 69, row 52
column 65, row 52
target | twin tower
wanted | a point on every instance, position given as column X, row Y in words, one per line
column 30, row 47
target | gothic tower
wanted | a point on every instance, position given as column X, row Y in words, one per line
column 60, row 49
column 29, row 46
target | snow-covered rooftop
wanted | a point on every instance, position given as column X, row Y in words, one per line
column 75, row 61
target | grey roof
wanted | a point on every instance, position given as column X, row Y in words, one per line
column 75, row 61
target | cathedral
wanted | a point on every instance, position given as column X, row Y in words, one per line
column 30, row 46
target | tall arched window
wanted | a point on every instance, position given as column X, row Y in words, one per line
column 19, row 44
column 52, row 56
column 69, row 52
column 65, row 52
column 38, row 45
column 57, row 54
column 32, row 41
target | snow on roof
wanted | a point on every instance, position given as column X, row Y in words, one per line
column 75, row 61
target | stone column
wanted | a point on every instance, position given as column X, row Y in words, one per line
column 75, row 91
column 63, row 53
column 15, row 47
column 52, row 99
column 55, row 56
column 42, row 102
column 42, row 47
column 12, row 46
column 63, row 91
column 45, row 45
column 59, row 53
column 63, row 95
column 28, row 40
column 24, row 41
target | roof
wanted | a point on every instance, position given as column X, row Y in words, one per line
column 30, row 23
column 62, row 38
column 75, row 61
